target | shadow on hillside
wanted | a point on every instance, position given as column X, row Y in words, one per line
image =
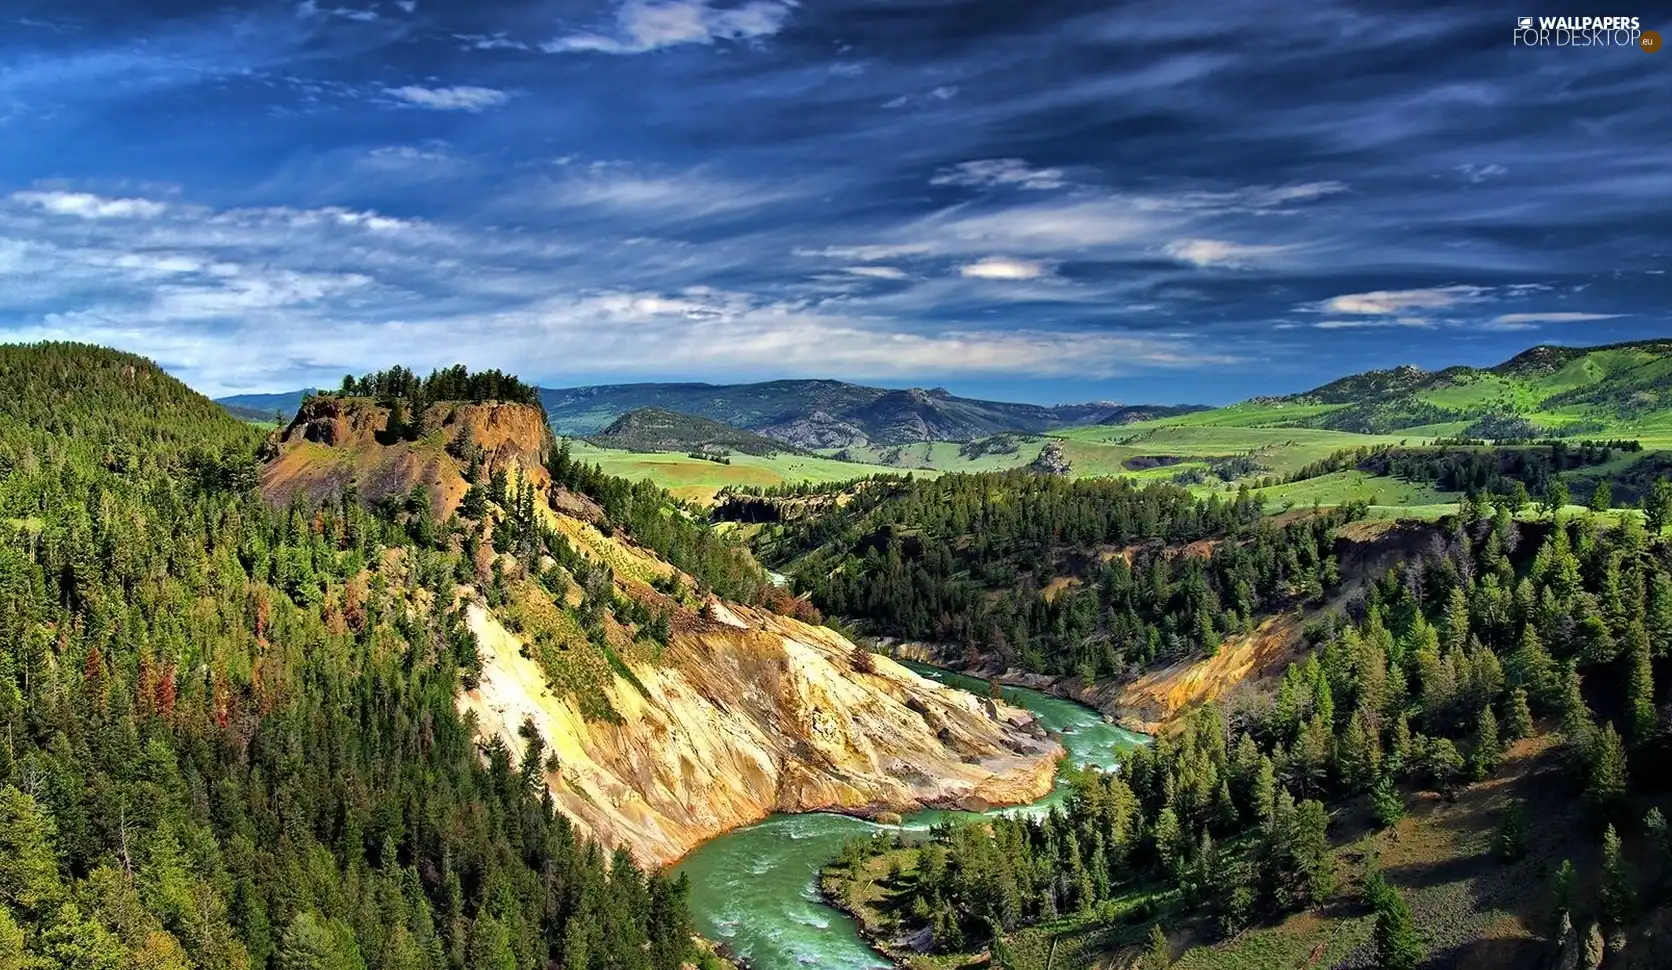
column 1496, row 954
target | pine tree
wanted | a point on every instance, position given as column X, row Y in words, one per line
column 1510, row 839
column 1561, row 891
column 1157, row 955
column 29, row 880
column 1657, row 508
column 1606, row 788
column 1578, row 729
column 1518, row 717
column 1654, row 827
column 1386, row 803
column 1602, row 497
column 1487, row 751
column 1531, row 668
column 1618, row 896
column 1398, row 944
column 1442, row 764
column 1640, row 689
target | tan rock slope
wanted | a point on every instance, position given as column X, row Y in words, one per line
column 758, row 714
column 745, row 713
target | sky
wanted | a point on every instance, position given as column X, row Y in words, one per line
column 1060, row 201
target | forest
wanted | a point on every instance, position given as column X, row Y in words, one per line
column 1419, row 682
column 968, row 559
column 227, row 732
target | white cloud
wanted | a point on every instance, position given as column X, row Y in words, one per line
column 945, row 92
column 490, row 42
column 410, row 6
column 1047, row 228
column 1480, row 173
column 1003, row 268
column 868, row 253
column 624, row 187
column 877, row 272
column 1418, row 322
column 1218, row 252
column 311, row 8
column 1248, row 199
column 461, row 98
column 88, row 206
column 1516, row 319
column 648, row 25
column 991, row 172
column 1388, row 302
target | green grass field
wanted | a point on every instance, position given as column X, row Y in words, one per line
column 697, row 479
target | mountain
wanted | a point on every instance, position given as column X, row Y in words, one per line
column 828, row 414
column 658, row 429
column 674, row 685
column 1545, row 389
column 264, row 405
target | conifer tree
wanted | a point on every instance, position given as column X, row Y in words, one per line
column 1657, row 508
column 1487, row 751
column 1618, row 895
column 1157, row 955
column 1398, row 944
column 1518, row 717
column 1606, row 787
column 1510, row 839
column 1602, row 497
column 1640, row 689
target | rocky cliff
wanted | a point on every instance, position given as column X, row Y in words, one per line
column 333, row 441
column 741, row 714
column 753, row 714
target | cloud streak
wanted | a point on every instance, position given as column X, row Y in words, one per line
column 460, row 98
column 649, row 25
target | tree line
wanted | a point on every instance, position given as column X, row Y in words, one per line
column 973, row 559
column 455, row 383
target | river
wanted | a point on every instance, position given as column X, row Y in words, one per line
column 754, row 890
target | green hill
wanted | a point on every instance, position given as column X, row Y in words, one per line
column 229, row 736
column 658, row 429
column 1618, row 388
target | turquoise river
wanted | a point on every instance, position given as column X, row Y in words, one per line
column 753, row 888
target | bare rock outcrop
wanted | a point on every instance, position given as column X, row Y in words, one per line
column 757, row 714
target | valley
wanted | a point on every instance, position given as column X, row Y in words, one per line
column 764, row 485
column 1360, row 654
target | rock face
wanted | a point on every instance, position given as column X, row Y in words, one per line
column 333, row 441
column 817, row 429
column 1051, row 460
column 752, row 714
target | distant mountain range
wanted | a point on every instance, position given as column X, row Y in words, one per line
column 1546, row 389
column 262, row 407
column 657, row 429
column 831, row 414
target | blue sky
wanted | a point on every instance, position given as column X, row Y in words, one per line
column 1149, row 201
